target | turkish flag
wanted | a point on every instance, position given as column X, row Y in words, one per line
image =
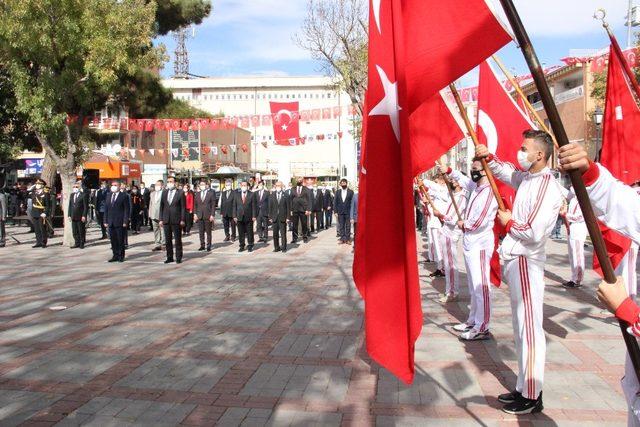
column 416, row 48
column 620, row 147
column 286, row 122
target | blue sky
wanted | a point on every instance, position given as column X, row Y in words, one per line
column 255, row 37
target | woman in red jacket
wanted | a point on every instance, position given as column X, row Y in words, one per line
column 188, row 194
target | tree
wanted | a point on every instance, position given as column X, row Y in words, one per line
column 179, row 109
column 72, row 60
column 174, row 14
column 335, row 32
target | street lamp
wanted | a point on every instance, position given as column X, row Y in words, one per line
column 598, row 115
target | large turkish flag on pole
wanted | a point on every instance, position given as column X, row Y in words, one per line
column 385, row 264
column 620, row 147
column 286, row 122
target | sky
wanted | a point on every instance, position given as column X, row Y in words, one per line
column 255, row 37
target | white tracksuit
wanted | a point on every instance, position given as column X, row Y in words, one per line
column 535, row 210
column 440, row 197
column 449, row 236
column 618, row 206
column 478, row 245
column 576, row 238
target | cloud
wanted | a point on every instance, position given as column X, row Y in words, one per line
column 565, row 18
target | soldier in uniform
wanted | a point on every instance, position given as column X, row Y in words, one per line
column 40, row 211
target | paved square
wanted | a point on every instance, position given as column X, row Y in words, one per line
column 231, row 339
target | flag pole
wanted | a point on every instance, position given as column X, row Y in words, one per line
column 425, row 194
column 599, row 247
column 600, row 15
column 474, row 138
column 453, row 199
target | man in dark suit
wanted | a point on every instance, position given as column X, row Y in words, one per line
column 145, row 193
column 101, row 200
column 342, row 204
column 204, row 212
column 300, row 211
column 226, row 211
column 245, row 211
column 317, row 216
column 40, row 213
column 328, row 207
column 279, row 215
column 172, row 216
column 117, row 212
column 78, row 211
column 262, row 202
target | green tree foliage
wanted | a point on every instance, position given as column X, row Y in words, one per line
column 173, row 14
column 179, row 109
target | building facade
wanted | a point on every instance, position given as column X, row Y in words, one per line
column 328, row 148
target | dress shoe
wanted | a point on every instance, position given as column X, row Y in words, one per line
column 36, row 246
column 284, row 250
column 81, row 246
column 114, row 259
column 294, row 241
column 201, row 248
column 156, row 249
column 121, row 259
column 276, row 250
column 250, row 249
column 73, row 247
column 44, row 245
column 305, row 240
column 168, row 260
column 179, row 261
column 208, row 248
column 233, row 239
column 226, row 239
column 241, row 249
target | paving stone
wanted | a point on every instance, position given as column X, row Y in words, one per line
column 231, row 343
column 40, row 331
column 166, row 315
column 126, row 337
column 318, row 346
column 17, row 406
column 244, row 319
column 328, row 322
column 300, row 418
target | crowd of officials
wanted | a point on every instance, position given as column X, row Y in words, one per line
column 172, row 210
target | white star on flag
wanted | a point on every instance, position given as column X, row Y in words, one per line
column 284, row 127
column 388, row 106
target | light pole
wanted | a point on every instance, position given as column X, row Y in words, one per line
column 598, row 115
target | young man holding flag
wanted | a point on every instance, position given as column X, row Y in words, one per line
column 478, row 246
column 535, row 209
column 577, row 234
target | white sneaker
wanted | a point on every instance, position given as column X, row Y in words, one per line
column 474, row 335
column 462, row 327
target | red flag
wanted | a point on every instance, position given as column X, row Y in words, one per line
column 286, row 124
column 620, row 149
column 442, row 48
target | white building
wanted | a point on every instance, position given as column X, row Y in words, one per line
column 248, row 97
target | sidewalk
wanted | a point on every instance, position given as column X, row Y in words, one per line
column 232, row 338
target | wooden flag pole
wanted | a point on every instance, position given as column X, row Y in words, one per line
column 424, row 193
column 474, row 138
column 451, row 194
column 599, row 247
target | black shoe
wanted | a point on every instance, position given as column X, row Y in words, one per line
column 250, row 249
column 81, row 246
column 509, row 397
column 226, row 239
column 126, row 246
column 522, row 406
column 168, row 260
column 571, row 284
column 73, row 247
column 157, row 248
column 114, row 259
column 208, row 248
column 284, row 250
column 44, row 245
column 36, row 246
column 103, row 237
column 121, row 259
column 294, row 241
column 241, row 249
column 233, row 239
column 437, row 273
column 179, row 261
column 305, row 240
column 276, row 250
column 201, row 248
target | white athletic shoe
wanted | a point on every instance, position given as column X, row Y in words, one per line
column 474, row 335
column 462, row 327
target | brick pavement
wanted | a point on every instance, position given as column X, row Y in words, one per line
column 269, row 339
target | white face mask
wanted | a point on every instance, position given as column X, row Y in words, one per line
column 38, row 186
column 523, row 160
column 75, row 189
column 114, row 188
column 244, row 189
column 171, row 185
column 203, row 187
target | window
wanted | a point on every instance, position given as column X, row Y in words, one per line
column 328, row 95
column 217, row 97
column 287, row 96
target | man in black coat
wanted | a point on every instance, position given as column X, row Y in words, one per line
column 342, row 204
column 328, row 207
column 279, row 215
column 226, row 211
column 317, row 215
column 262, row 202
column 300, row 211
column 205, row 202
column 245, row 211
column 101, row 198
column 172, row 217
column 145, row 193
column 40, row 213
column 117, row 211
column 78, row 211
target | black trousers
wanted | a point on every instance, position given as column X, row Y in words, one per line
column 100, row 216
column 117, row 234
column 204, row 227
column 3, row 233
column 173, row 235
column 41, row 231
column 136, row 221
column 228, row 224
column 245, row 232
column 419, row 218
column 145, row 217
column 299, row 218
column 188, row 222
column 79, row 232
column 355, row 227
column 344, row 227
column 280, row 235
column 328, row 218
column 319, row 219
column 262, row 227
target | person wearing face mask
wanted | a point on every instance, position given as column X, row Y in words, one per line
column 328, row 207
column 189, row 204
column 245, row 211
column 172, row 217
column 478, row 246
column 125, row 189
column 317, row 208
column 437, row 190
column 101, row 197
column 262, row 202
column 204, row 212
column 343, row 211
column 40, row 212
column 279, row 215
column 77, row 212
column 535, row 209
column 116, row 217
column 300, row 210
column 154, row 214
column 577, row 234
column 145, row 193
column 137, row 209
column 226, row 211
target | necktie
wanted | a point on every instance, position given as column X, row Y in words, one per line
column 278, row 197
column 202, row 196
column 75, row 200
column 299, row 189
column 244, row 197
column 113, row 198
